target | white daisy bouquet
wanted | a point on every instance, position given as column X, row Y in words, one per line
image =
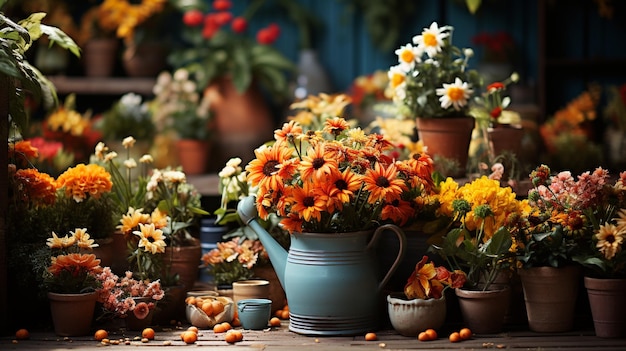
column 432, row 79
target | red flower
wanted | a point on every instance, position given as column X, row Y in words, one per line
column 496, row 112
column 495, row 86
column 141, row 310
column 239, row 25
column 268, row 35
column 193, row 18
column 222, row 5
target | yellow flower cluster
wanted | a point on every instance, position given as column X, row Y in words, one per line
column 482, row 191
column 126, row 16
column 67, row 121
column 85, row 181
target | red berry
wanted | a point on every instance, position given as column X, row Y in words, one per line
column 239, row 25
column 222, row 5
column 222, row 18
column 193, row 18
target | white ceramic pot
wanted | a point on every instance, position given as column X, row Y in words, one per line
column 251, row 289
column 410, row 317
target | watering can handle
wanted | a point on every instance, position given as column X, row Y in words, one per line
column 401, row 251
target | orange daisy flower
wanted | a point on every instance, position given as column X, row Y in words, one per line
column 398, row 211
column 75, row 263
column 383, row 184
column 317, row 164
column 288, row 133
column 35, row 187
column 307, row 202
column 292, row 223
column 262, row 171
column 335, row 126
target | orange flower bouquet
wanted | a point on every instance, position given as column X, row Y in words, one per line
column 428, row 281
column 322, row 175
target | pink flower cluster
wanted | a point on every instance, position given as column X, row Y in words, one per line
column 117, row 295
column 565, row 191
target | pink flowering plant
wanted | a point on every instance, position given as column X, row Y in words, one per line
column 574, row 220
column 118, row 294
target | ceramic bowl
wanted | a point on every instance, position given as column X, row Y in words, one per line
column 198, row 318
column 410, row 317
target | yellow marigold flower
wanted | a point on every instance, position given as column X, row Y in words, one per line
column 85, row 181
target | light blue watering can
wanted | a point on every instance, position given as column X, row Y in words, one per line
column 331, row 280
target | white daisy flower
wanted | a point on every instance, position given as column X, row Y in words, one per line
column 455, row 94
column 397, row 76
column 408, row 55
column 431, row 39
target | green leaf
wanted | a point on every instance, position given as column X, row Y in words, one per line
column 59, row 37
column 499, row 243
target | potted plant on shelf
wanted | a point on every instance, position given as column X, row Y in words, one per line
column 480, row 244
column 141, row 27
column 180, row 106
column 71, row 282
column 422, row 306
column 433, row 84
column 563, row 213
column 233, row 69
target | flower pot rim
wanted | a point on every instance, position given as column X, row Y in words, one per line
column 401, row 299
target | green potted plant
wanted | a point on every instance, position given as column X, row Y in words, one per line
column 433, row 84
column 480, row 243
column 180, row 106
column 570, row 222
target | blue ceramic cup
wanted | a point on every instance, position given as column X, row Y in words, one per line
column 254, row 313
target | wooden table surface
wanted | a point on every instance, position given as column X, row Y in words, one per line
column 280, row 338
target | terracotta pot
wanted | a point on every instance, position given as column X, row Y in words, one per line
column 184, row 261
column 134, row 323
column 100, row 56
column 550, row 295
column 72, row 314
column 410, row 317
column 506, row 139
column 251, row 289
column 608, row 306
column 145, row 60
column 193, row 155
column 243, row 121
column 484, row 311
column 448, row 138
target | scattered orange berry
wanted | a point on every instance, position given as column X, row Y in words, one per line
column 236, row 322
column 432, row 334
column 219, row 328
column 101, row 334
column 278, row 313
column 465, row 333
column 189, row 337
column 275, row 322
column 286, row 308
column 218, row 307
column 285, row 314
column 207, row 307
column 371, row 337
column 22, row 334
column 233, row 336
column 193, row 329
column 422, row 336
column 455, row 337
column 148, row 333
column 227, row 326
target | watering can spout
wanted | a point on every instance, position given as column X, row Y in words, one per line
column 278, row 255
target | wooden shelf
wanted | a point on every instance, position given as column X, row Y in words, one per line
column 103, row 86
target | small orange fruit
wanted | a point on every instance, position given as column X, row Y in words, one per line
column 236, row 322
column 219, row 328
column 465, row 333
column 148, row 333
column 193, row 329
column 285, row 314
column 189, row 337
column 218, row 307
column 231, row 337
column 22, row 334
column 238, row 334
column 286, row 308
column 422, row 336
column 371, row 337
column 275, row 322
column 455, row 337
column 278, row 313
column 432, row 334
column 207, row 307
column 190, row 300
column 101, row 334
column 227, row 326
